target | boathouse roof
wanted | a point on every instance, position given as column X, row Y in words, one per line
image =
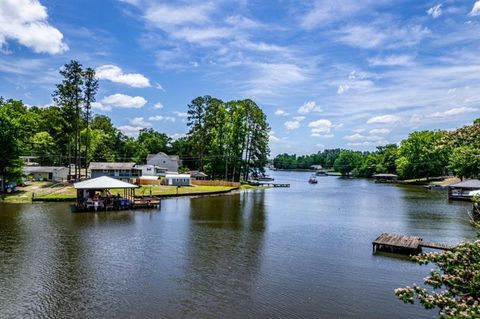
column 385, row 175
column 469, row 183
column 103, row 182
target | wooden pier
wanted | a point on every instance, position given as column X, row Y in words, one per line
column 269, row 184
column 404, row 244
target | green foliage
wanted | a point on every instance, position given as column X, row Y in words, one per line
column 348, row 161
column 422, row 155
column 458, row 276
column 228, row 140
column 10, row 144
column 465, row 161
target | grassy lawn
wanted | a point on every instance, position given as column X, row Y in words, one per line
column 49, row 191
column 184, row 190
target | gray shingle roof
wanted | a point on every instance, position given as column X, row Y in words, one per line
column 469, row 183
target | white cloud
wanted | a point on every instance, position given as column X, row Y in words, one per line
column 453, row 112
column 280, row 112
column 475, row 10
column 308, row 107
column 415, row 119
column 99, row 106
column 181, row 114
column 115, row 74
column 140, row 121
column 435, row 11
column 299, row 118
column 342, row 88
column 162, row 118
column 354, row 137
column 381, row 34
column 120, row 100
column 384, row 119
column 292, row 125
column 130, row 130
column 158, row 86
column 273, row 138
column 26, row 21
column 392, row 60
column 320, row 126
column 380, row 131
column 322, row 135
column 166, row 16
column 158, row 106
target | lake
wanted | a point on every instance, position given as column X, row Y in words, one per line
column 298, row 252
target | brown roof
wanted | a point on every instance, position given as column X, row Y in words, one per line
column 104, row 165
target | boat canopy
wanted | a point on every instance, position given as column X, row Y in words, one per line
column 103, row 182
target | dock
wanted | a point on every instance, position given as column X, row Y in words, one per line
column 269, row 184
column 404, row 244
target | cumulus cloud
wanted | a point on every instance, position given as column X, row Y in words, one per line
column 292, row 125
column 119, row 100
column 435, row 11
column 354, row 137
column 115, row 74
column 384, row 119
column 476, row 9
column 26, row 21
column 342, row 88
column 453, row 112
column 308, row 107
column 181, row 114
column 140, row 121
column 158, row 106
column 162, row 118
column 280, row 112
column 320, row 127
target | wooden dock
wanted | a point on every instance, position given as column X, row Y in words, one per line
column 269, row 184
column 404, row 244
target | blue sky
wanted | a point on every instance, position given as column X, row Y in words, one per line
column 352, row 74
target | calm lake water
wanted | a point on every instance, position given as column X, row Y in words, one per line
column 303, row 252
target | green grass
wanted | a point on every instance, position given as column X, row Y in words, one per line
column 252, row 187
column 184, row 190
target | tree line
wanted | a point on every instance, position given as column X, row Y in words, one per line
column 225, row 139
column 422, row 154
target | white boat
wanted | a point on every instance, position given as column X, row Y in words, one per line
column 312, row 180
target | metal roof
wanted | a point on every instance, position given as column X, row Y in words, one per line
column 42, row 169
column 177, row 176
column 469, row 183
column 198, row 174
column 385, row 175
column 116, row 165
column 103, row 182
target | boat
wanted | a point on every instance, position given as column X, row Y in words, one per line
column 312, row 180
column 321, row 173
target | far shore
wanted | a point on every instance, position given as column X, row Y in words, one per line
column 58, row 192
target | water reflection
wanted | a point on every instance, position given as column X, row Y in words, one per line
column 223, row 255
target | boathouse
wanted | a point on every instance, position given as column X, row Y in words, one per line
column 95, row 194
column 199, row 176
column 461, row 190
column 385, row 178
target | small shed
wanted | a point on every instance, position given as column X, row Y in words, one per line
column 385, row 178
column 462, row 190
column 316, row 167
column 178, row 179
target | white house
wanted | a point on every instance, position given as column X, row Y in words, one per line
column 152, row 170
column 47, row 173
column 178, row 179
column 170, row 162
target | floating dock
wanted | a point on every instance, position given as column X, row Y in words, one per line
column 404, row 244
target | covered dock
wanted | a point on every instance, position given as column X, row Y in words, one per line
column 463, row 190
column 385, row 178
column 96, row 194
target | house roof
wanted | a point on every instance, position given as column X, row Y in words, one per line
column 172, row 157
column 103, row 182
column 197, row 174
column 42, row 169
column 469, row 183
column 104, row 165
column 150, row 166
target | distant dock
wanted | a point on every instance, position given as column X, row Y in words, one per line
column 397, row 243
column 267, row 184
